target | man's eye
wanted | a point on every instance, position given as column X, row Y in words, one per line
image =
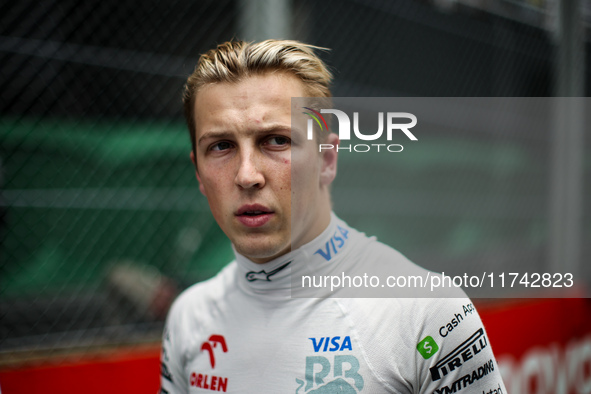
column 278, row 140
column 221, row 146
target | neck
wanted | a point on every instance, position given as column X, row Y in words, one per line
column 275, row 275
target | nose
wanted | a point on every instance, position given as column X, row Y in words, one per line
column 249, row 173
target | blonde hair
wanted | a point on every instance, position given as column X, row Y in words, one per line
column 235, row 60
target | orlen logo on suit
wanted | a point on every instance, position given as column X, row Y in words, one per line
column 210, row 381
column 392, row 119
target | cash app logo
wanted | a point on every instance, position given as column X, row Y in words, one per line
column 427, row 347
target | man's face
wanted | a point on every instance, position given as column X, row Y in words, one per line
column 244, row 155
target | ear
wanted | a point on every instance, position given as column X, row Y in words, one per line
column 328, row 169
column 194, row 160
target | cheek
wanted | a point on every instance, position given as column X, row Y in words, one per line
column 217, row 177
column 215, row 191
column 279, row 169
column 305, row 170
column 283, row 174
column 209, row 185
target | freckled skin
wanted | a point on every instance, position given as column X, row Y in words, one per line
column 245, row 155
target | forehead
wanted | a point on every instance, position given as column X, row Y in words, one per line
column 255, row 101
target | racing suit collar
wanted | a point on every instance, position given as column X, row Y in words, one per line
column 276, row 274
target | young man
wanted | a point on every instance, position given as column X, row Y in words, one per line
column 268, row 189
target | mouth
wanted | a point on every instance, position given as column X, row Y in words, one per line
column 254, row 215
column 253, row 210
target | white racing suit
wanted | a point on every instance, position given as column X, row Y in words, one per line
column 243, row 331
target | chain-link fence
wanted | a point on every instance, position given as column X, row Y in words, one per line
column 102, row 220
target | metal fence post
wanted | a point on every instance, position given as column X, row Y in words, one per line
column 567, row 148
column 264, row 19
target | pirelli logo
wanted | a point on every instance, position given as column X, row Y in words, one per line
column 460, row 355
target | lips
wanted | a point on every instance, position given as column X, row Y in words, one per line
column 254, row 215
column 252, row 210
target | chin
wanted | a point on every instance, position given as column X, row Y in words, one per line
column 266, row 250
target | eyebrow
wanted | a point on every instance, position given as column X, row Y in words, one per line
column 228, row 134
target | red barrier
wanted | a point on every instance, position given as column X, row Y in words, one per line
column 118, row 371
column 543, row 346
